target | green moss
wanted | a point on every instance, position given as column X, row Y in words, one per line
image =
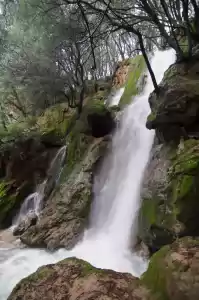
column 84, row 267
column 151, row 117
column 41, row 274
column 155, row 278
column 77, row 145
column 187, row 160
column 87, row 269
column 97, row 107
column 7, row 201
column 182, row 185
column 56, row 118
column 149, row 211
column 100, row 96
column 137, row 66
column 52, row 125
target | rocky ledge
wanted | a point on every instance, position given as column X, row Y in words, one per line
column 172, row 275
column 74, row 279
column 175, row 109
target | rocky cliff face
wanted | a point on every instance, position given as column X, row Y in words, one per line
column 175, row 110
column 170, row 208
column 66, row 211
column 65, row 215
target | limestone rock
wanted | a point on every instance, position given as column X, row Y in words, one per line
column 173, row 271
column 65, row 214
column 74, row 279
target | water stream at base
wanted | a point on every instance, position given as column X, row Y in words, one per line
column 108, row 241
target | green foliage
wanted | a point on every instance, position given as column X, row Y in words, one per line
column 136, row 69
column 15, row 131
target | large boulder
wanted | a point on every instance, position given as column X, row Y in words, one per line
column 175, row 109
column 170, row 194
column 73, row 279
column 173, row 271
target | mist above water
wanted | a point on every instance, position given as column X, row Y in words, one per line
column 109, row 241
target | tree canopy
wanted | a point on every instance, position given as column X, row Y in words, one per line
column 50, row 49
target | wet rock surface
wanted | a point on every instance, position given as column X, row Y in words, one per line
column 175, row 110
column 29, row 220
column 173, row 271
column 74, row 279
column 170, row 194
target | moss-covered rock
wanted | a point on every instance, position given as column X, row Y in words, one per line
column 173, row 271
column 75, row 279
column 175, row 109
column 155, row 220
column 184, row 181
column 170, row 195
column 135, row 71
column 57, row 117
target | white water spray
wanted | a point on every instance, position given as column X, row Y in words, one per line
column 114, row 99
column 117, row 188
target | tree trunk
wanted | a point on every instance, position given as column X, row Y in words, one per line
column 148, row 63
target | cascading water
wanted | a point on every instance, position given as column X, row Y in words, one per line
column 107, row 242
column 34, row 202
column 114, row 99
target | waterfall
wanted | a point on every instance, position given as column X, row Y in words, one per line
column 112, row 231
column 34, row 202
column 108, row 241
column 115, row 97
